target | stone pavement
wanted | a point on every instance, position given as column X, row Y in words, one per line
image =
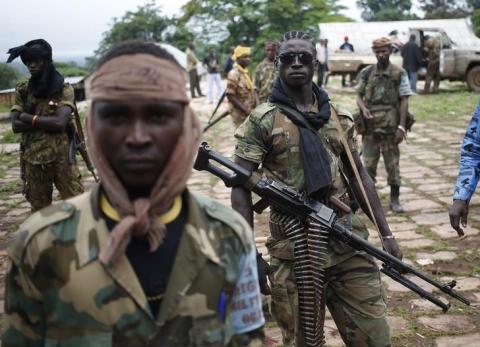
column 428, row 166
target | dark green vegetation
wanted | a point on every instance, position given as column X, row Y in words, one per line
column 8, row 76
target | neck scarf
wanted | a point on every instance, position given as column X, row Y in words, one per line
column 244, row 72
column 145, row 77
column 315, row 158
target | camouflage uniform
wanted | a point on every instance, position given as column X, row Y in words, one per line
column 58, row 293
column 433, row 67
column 236, row 85
column 353, row 291
column 264, row 76
column 45, row 154
column 381, row 93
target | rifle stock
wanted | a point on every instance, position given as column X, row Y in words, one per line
column 291, row 202
column 79, row 143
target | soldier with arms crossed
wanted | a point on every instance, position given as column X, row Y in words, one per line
column 295, row 141
column 42, row 113
column 139, row 260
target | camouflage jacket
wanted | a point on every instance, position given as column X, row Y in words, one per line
column 40, row 146
column 381, row 91
column 59, row 294
column 236, row 85
column 269, row 138
column 264, row 77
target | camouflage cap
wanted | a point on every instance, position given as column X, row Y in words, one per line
column 381, row 42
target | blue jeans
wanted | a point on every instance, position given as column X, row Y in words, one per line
column 412, row 77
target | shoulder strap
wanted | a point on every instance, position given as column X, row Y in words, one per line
column 295, row 114
column 354, row 167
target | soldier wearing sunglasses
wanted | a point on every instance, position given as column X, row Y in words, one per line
column 295, row 141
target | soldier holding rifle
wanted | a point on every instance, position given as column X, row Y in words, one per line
column 297, row 140
column 42, row 113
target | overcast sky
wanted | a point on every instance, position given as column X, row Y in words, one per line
column 75, row 27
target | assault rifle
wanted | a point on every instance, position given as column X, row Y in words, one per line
column 291, row 202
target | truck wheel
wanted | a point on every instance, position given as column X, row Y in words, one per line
column 473, row 78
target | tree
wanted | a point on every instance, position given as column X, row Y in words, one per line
column 438, row 9
column 385, row 10
column 146, row 23
column 8, row 76
column 253, row 22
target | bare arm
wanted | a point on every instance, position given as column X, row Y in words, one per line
column 390, row 244
column 241, row 197
column 363, row 108
column 51, row 124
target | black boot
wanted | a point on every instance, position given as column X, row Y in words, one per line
column 394, row 199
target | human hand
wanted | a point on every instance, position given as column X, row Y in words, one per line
column 366, row 113
column 399, row 136
column 391, row 246
column 458, row 213
column 264, row 275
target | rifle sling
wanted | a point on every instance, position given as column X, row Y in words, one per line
column 354, row 167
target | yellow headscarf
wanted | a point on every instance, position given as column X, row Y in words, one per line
column 237, row 53
column 241, row 50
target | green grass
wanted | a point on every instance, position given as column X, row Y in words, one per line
column 4, row 107
column 8, row 136
column 444, row 105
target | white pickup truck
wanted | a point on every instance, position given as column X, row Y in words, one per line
column 459, row 57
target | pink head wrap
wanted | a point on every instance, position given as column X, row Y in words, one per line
column 142, row 76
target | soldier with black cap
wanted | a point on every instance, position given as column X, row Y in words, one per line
column 42, row 113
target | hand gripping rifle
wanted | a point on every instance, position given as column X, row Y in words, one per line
column 291, row 202
column 77, row 143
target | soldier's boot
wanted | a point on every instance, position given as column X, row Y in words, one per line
column 394, row 199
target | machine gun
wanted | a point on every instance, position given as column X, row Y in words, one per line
column 293, row 203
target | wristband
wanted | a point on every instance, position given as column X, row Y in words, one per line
column 402, row 129
column 34, row 120
column 388, row 237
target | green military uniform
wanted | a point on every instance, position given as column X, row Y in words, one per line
column 264, row 76
column 381, row 92
column 60, row 294
column 433, row 68
column 353, row 291
column 45, row 154
column 237, row 85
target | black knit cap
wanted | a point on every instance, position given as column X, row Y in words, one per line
column 35, row 49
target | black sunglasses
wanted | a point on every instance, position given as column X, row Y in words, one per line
column 288, row 58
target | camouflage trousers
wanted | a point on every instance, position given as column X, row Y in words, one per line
column 39, row 181
column 353, row 294
column 373, row 146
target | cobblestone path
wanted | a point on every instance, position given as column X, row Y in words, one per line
column 428, row 166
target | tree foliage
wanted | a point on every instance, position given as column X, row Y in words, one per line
column 146, row 23
column 70, row 69
column 386, row 10
column 439, row 9
column 253, row 22
column 8, row 76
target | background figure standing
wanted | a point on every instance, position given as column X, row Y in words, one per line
column 266, row 73
column 192, row 70
column 382, row 97
column 213, row 77
column 322, row 57
column 348, row 47
column 467, row 179
column 229, row 62
column 432, row 46
column 412, row 61
column 240, row 90
column 42, row 113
